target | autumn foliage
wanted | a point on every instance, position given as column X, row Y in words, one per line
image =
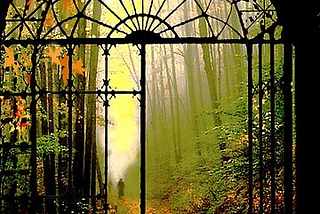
column 63, row 61
column 57, row 56
column 18, row 118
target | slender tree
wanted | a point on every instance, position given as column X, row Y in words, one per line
column 189, row 68
column 176, row 102
column 48, row 159
column 51, row 179
column 89, row 184
column 172, row 116
column 80, row 82
column 211, row 73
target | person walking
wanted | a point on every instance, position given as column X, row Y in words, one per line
column 120, row 187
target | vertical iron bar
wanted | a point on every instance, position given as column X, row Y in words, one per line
column 249, row 51
column 33, row 132
column 287, row 69
column 13, row 141
column 142, row 11
column 1, row 137
column 106, row 118
column 60, row 159
column 272, row 123
column 143, row 130
column 70, row 103
column 261, row 93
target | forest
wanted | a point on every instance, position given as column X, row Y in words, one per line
column 77, row 109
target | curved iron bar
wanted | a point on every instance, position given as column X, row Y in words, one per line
column 76, row 5
column 127, row 12
column 263, row 13
column 28, row 17
column 143, row 15
column 135, row 12
column 113, row 13
column 148, row 25
column 77, row 16
column 244, row 30
column 157, row 13
column 210, row 2
column 182, row 23
column 59, row 23
column 227, row 24
column 149, row 12
column 80, row 13
column 170, row 14
column 227, row 21
column 199, row 6
column 23, row 18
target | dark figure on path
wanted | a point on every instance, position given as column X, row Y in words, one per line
column 120, row 188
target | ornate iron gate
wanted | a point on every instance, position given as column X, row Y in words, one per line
column 54, row 29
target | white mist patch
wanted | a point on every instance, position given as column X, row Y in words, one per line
column 123, row 124
column 123, row 136
column 123, row 149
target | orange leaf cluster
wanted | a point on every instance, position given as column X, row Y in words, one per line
column 66, row 3
column 244, row 139
column 78, row 67
column 10, row 61
column 29, row 4
column 54, row 54
column 21, row 107
column 49, row 19
column 20, row 114
column 26, row 60
column 69, row 6
column 63, row 61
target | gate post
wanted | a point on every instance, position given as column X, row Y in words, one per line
column 287, row 82
column 143, row 129
column 250, row 119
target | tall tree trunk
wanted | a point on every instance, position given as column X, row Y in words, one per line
column 62, row 162
column 48, row 161
column 80, row 82
column 199, row 77
column 52, row 156
column 91, row 138
column 211, row 73
column 189, row 68
column 163, row 115
column 154, row 118
column 176, row 102
column 173, row 119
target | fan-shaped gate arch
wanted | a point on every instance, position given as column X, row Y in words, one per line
column 40, row 20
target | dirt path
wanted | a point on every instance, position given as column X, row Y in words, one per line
column 129, row 206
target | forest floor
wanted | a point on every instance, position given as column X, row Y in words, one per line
column 127, row 205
